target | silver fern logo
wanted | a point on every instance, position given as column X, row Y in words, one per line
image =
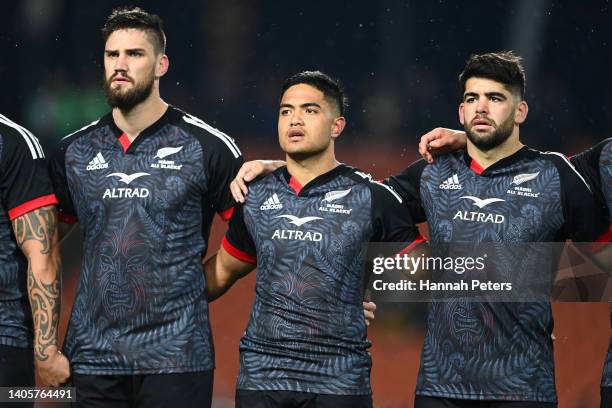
column 336, row 195
column 328, row 206
column 161, row 155
column 167, row 151
column 517, row 188
column 523, row 178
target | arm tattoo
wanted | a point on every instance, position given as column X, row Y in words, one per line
column 41, row 225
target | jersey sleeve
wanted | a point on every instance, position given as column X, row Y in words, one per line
column 585, row 217
column 391, row 218
column 24, row 181
column 407, row 184
column 238, row 241
column 223, row 160
column 587, row 164
column 57, row 171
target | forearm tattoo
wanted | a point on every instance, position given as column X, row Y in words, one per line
column 41, row 225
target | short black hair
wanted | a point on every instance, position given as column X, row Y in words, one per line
column 504, row 67
column 123, row 18
column 332, row 88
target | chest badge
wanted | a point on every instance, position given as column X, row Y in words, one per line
column 161, row 155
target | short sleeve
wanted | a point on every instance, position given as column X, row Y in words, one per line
column 223, row 160
column 238, row 241
column 407, row 184
column 57, row 171
column 391, row 218
column 585, row 217
column 24, row 181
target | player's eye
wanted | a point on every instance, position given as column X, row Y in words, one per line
column 284, row 112
column 112, row 54
column 135, row 53
column 311, row 111
column 469, row 99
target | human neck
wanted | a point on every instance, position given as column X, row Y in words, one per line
column 140, row 117
column 490, row 157
column 304, row 170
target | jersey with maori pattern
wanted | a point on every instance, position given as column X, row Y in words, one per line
column 306, row 331
column 496, row 351
column 145, row 211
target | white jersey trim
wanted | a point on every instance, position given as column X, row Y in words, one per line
column 95, row 122
column 229, row 142
column 31, row 140
column 571, row 166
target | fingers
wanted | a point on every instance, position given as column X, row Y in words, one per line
column 247, row 173
column 237, row 190
column 368, row 311
column 369, row 306
column 425, row 144
column 55, row 371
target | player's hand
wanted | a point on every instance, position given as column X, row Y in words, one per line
column 54, row 371
column 368, row 311
column 248, row 172
column 440, row 141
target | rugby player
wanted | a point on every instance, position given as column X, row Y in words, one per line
column 143, row 182
column 305, row 227
column 595, row 165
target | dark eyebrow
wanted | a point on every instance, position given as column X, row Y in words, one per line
column 498, row 94
column 304, row 105
column 487, row 94
column 310, row 104
column 128, row 50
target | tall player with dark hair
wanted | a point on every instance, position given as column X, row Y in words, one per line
column 595, row 165
column 513, row 338
column 305, row 227
column 144, row 182
column 30, row 280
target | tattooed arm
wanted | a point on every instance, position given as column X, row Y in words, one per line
column 37, row 235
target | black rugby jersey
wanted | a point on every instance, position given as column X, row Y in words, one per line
column 306, row 331
column 145, row 211
column 496, row 351
column 596, row 166
column 24, row 186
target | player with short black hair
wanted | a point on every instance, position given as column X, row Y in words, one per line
column 305, row 227
column 331, row 87
column 123, row 18
column 144, row 182
column 504, row 67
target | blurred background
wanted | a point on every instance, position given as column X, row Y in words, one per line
column 399, row 62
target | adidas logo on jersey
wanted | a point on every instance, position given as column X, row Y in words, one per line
column 97, row 163
column 451, row 183
column 272, row 203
